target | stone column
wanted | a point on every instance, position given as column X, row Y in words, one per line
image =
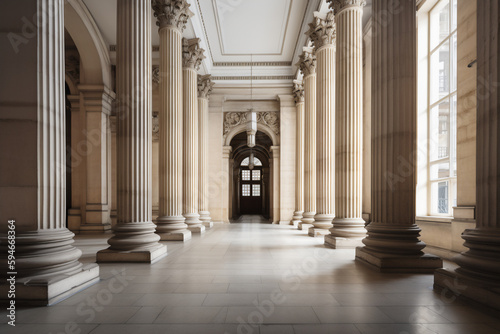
column 323, row 35
column 393, row 244
column 298, row 91
column 276, row 167
column 33, row 155
column 192, row 56
column 307, row 65
column 348, row 226
column 478, row 277
column 172, row 16
column 135, row 239
column 227, row 165
column 205, row 86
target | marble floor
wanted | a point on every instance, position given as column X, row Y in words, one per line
column 252, row 278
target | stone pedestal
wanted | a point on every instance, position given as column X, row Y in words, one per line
column 205, row 86
column 348, row 226
column 307, row 65
column 192, row 57
column 393, row 243
column 172, row 22
column 135, row 239
column 298, row 91
column 33, row 168
column 322, row 34
column 478, row 276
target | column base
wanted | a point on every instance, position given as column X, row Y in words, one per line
column 51, row 290
column 317, row 232
column 342, row 243
column 208, row 225
column 295, row 223
column 395, row 263
column 197, row 229
column 472, row 291
column 142, row 256
column 305, row 227
column 183, row 235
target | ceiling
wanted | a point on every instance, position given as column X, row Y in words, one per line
column 235, row 34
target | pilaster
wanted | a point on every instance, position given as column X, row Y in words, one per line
column 298, row 91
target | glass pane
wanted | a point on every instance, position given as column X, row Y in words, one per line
column 453, row 137
column 440, row 72
column 245, row 190
column 440, row 193
column 439, row 132
column 454, row 62
column 256, row 190
column 440, row 23
column 256, row 175
column 454, row 15
column 440, row 171
column 257, row 162
column 245, row 162
column 245, row 175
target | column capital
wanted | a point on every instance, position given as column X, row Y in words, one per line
column 307, row 61
column 205, row 86
column 174, row 13
column 339, row 5
column 323, row 30
column 298, row 91
column 192, row 54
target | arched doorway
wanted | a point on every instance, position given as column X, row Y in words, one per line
column 251, row 193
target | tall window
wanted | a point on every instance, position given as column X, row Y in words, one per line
column 442, row 107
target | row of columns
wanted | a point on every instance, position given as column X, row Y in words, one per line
column 333, row 119
column 47, row 266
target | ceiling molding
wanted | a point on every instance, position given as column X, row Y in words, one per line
column 260, row 64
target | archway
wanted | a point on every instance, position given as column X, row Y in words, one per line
column 251, row 187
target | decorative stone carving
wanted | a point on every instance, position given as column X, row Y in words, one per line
column 205, row 86
column 307, row 62
column 156, row 74
column 192, row 54
column 156, row 126
column 268, row 118
column 338, row 5
column 298, row 91
column 322, row 30
column 72, row 63
column 174, row 13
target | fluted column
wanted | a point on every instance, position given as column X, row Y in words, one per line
column 172, row 16
column 478, row 277
column 348, row 226
column 192, row 57
column 205, row 86
column 33, row 156
column 298, row 91
column 322, row 33
column 307, row 65
column 393, row 241
column 135, row 239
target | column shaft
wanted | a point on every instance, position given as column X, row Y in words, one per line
column 479, row 271
column 171, row 21
column 134, row 240
column 348, row 225
column 190, row 192
column 205, row 86
column 392, row 243
column 33, row 155
column 299, row 154
column 309, row 151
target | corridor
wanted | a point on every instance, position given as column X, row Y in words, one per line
column 251, row 278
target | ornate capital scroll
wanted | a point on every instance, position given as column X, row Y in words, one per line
column 174, row 13
column 192, row 54
column 155, row 127
column 298, row 91
column 323, row 30
column 339, row 5
column 307, row 61
column 269, row 118
column 205, row 86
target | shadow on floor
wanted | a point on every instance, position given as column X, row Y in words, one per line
column 250, row 219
